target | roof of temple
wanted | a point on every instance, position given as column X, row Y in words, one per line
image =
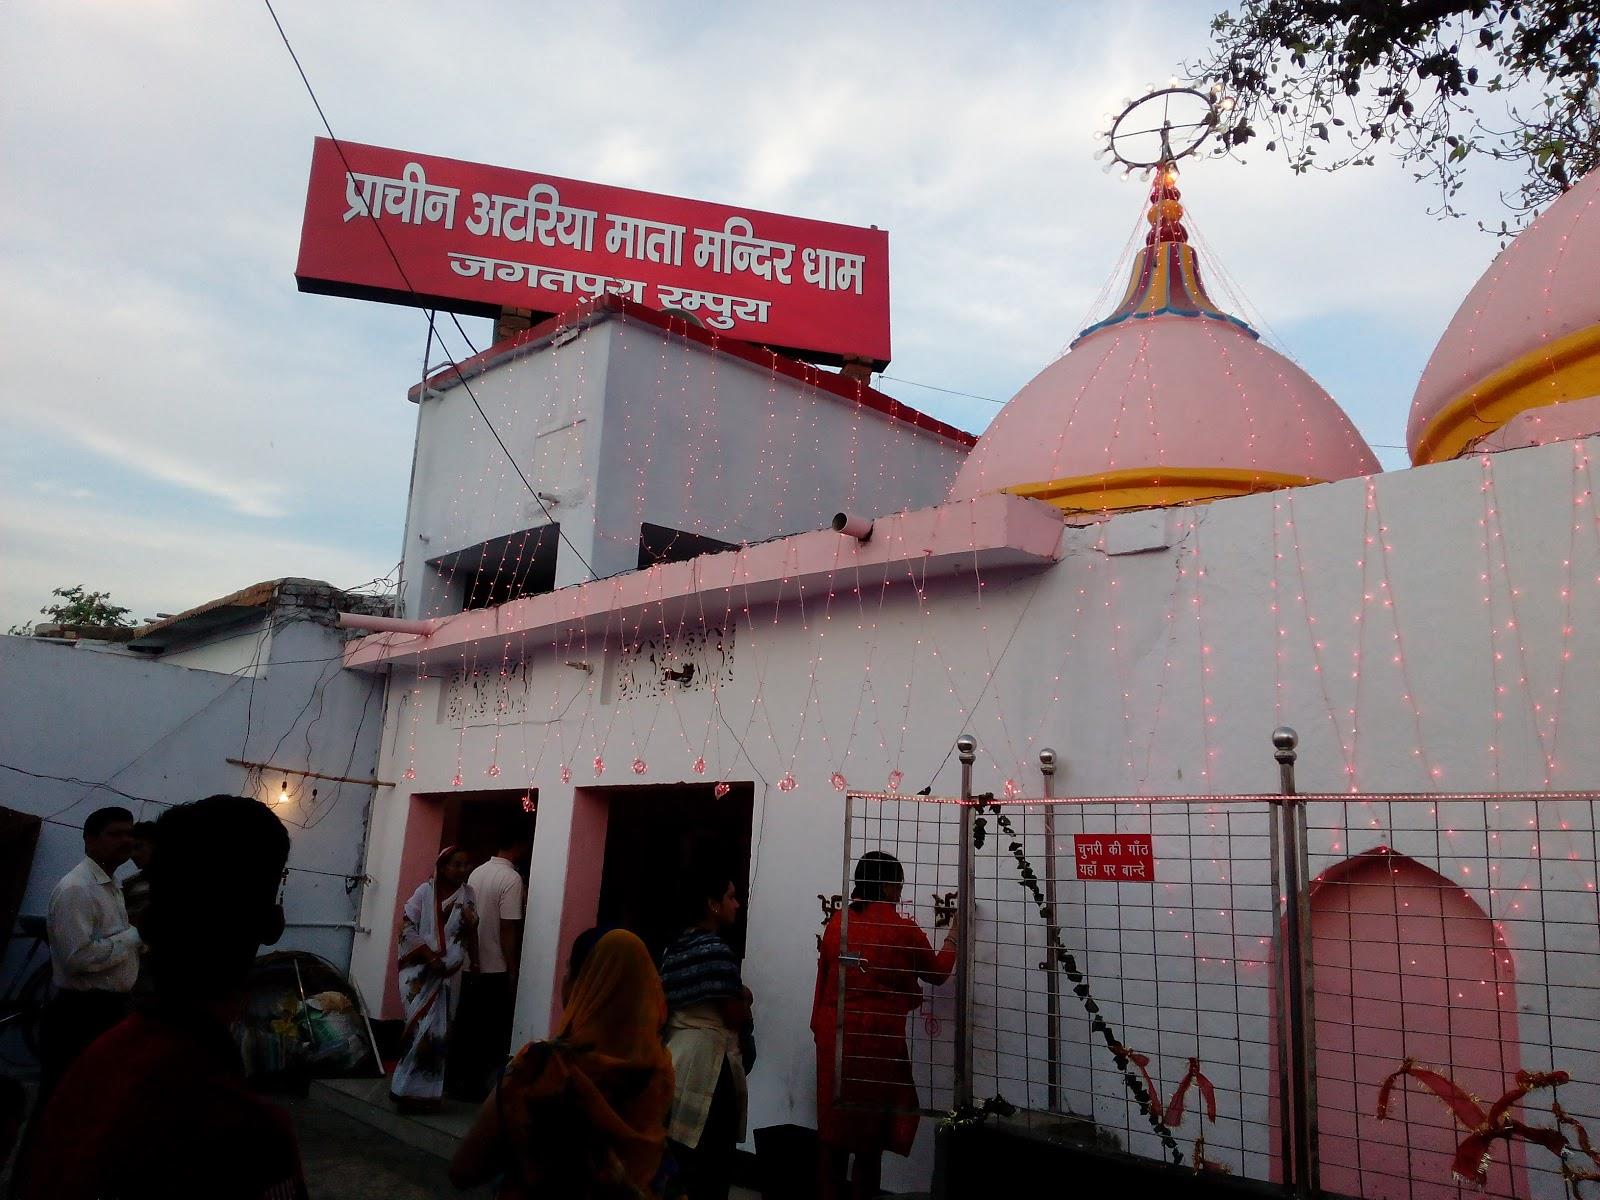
column 1522, row 354
column 1169, row 400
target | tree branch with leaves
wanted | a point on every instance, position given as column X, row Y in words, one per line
column 77, row 606
column 1332, row 84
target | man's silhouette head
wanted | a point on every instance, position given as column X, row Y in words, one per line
column 214, row 882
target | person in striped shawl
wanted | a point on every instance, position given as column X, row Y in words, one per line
column 709, row 1018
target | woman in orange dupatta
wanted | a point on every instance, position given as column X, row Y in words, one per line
column 583, row 1116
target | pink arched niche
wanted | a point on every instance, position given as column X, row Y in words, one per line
column 1406, row 965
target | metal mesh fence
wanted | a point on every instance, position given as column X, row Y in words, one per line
column 1124, row 981
column 896, row 1013
column 1455, row 945
column 1164, row 913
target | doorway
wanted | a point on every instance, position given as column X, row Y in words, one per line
column 654, row 837
column 473, row 821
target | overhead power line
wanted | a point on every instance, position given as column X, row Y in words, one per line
column 406, row 280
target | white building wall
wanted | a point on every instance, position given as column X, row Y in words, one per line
column 242, row 650
column 715, row 445
column 622, row 423
column 1389, row 622
column 71, row 719
column 464, row 490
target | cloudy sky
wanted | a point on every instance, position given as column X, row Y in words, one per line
column 177, row 421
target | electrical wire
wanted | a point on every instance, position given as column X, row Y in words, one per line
column 103, row 787
column 405, row 279
column 355, row 744
column 90, row 784
column 988, row 681
column 947, row 391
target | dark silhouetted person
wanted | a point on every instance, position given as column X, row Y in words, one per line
column 136, row 896
column 94, row 949
column 489, row 988
column 136, row 887
column 13, row 1107
column 159, row 1107
column 709, row 1007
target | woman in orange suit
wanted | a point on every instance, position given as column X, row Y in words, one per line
column 889, row 958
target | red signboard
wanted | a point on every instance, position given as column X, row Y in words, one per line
column 474, row 239
column 1122, row 857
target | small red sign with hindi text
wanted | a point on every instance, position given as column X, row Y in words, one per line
column 1118, row 857
column 438, row 233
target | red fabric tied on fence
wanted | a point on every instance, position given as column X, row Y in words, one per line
column 1207, row 1093
column 1486, row 1128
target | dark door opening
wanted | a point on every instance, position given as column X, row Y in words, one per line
column 475, row 821
column 655, row 836
column 472, row 820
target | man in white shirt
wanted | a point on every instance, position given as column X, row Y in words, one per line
column 488, row 991
column 94, row 951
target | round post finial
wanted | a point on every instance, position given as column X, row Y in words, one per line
column 967, row 748
column 1284, row 741
column 1047, row 761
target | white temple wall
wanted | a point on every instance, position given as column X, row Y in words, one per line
column 1157, row 671
column 623, row 423
column 464, row 491
column 720, row 447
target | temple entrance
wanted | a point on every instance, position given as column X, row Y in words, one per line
column 654, row 837
column 472, row 820
column 475, row 820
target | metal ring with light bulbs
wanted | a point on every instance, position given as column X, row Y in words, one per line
column 1117, row 137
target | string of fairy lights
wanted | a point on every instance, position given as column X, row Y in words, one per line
column 786, row 734
column 1375, row 628
column 830, row 684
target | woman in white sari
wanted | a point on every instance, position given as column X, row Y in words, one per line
column 436, row 938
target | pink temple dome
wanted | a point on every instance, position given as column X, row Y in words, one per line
column 1169, row 392
column 1518, row 363
column 1168, row 400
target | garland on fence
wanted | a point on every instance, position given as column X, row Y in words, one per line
column 1060, row 955
column 1174, row 1109
column 966, row 1116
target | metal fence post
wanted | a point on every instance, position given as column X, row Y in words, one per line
column 1295, row 973
column 844, row 954
column 1286, row 1156
column 967, row 752
column 1052, row 979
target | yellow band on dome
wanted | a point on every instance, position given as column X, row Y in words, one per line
column 1565, row 369
column 1155, row 487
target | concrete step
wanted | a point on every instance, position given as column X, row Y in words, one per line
column 367, row 1101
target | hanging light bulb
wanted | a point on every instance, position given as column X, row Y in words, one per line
column 283, row 791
